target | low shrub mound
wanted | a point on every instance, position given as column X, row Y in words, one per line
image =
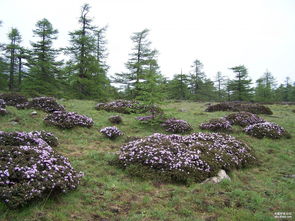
column 115, row 119
column 176, row 126
column 217, row 125
column 184, row 159
column 30, row 169
column 266, row 129
column 111, row 132
column 47, row 104
column 3, row 111
column 13, row 99
column 67, row 120
column 127, row 107
column 237, row 106
column 243, row 119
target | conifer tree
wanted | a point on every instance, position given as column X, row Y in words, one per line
column 43, row 67
column 12, row 50
column 241, row 85
column 89, row 77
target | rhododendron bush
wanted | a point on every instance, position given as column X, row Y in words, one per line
column 188, row 158
column 13, row 99
column 3, row 111
column 31, row 169
column 47, row 104
column 68, row 120
column 176, row 126
column 237, row 106
column 244, row 119
column 115, row 119
column 266, row 129
column 217, row 125
column 127, row 107
column 111, row 132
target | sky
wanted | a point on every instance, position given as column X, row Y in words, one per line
column 259, row 34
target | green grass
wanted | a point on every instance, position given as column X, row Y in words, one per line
column 108, row 193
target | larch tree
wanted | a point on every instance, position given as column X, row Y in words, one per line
column 12, row 50
column 143, row 70
column 241, row 85
column 43, row 67
column 88, row 72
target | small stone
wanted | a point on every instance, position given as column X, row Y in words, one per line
column 182, row 110
column 34, row 113
column 217, row 179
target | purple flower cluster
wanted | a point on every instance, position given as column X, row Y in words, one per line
column 197, row 156
column 3, row 111
column 12, row 99
column 217, row 125
column 145, row 118
column 111, row 132
column 30, row 168
column 176, row 126
column 115, row 119
column 47, row 104
column 244, row 119
column 266, row 129
column 68, row 120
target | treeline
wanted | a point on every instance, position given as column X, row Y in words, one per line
column 83, row 73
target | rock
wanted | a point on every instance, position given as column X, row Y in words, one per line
column 217, row 179
column 34, row 113
column 182, row 110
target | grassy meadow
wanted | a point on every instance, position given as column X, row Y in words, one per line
column 109, row 193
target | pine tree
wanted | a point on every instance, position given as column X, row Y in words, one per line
column 220, row 83
column 143, row 69
column 178, row 87
column 12, row 50
column 196, row 79
column 43, row 67
column 89, row 77
column 264, row 91
column 241, row 86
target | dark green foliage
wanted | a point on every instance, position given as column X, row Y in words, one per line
column 184, row 159
column 87, row 67
column 241, row 85
column 43, row 67
column 13, row 99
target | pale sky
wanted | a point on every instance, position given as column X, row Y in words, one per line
column 259, row 34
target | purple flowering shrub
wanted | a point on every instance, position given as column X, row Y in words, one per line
column 184, row 159
column 115, row 119
column 244, row 119
column 67, row 120
column 111, row 132
column 237, row 106
column 266, row 129
column 12, row 99
column 176, row 126
column 30, row 169
column 3, row 111
column 127, row 107
column 217, row 125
